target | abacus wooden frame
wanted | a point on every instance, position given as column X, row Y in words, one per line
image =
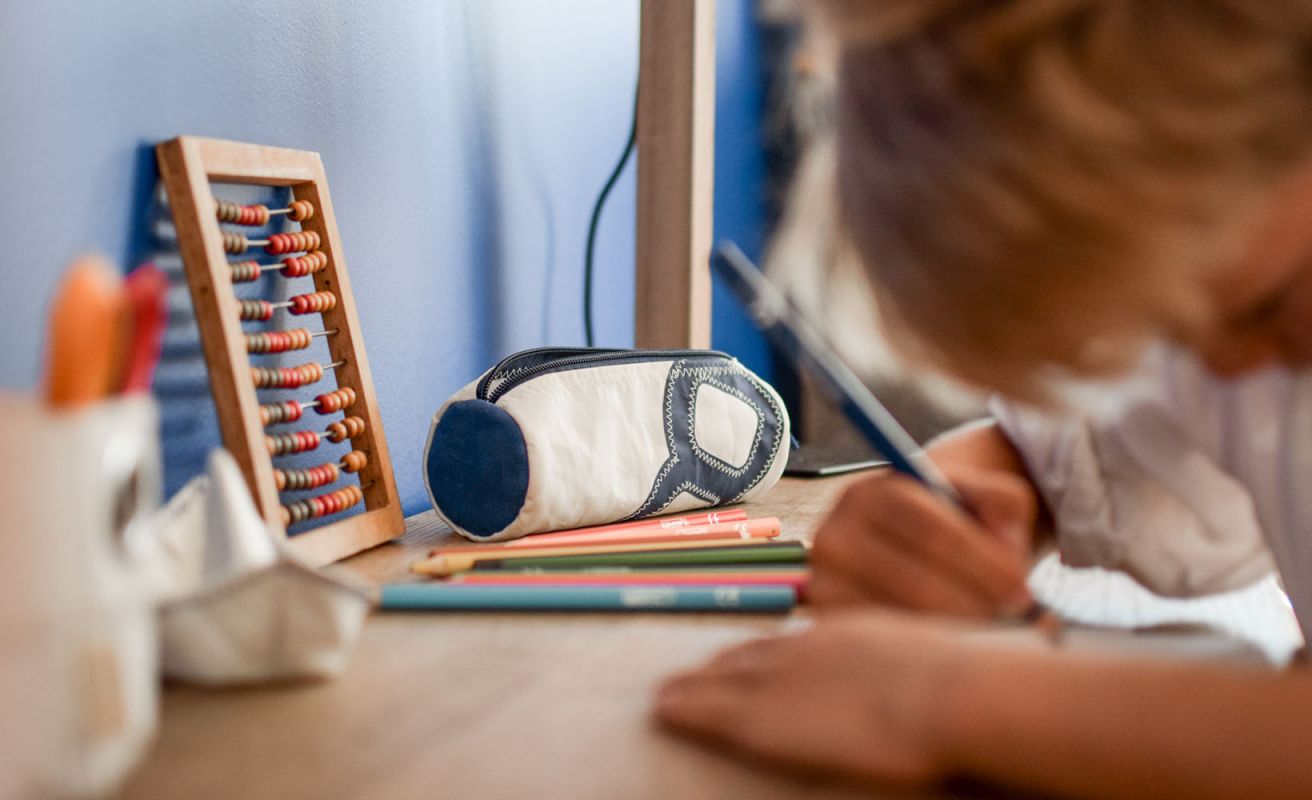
column 188, row 165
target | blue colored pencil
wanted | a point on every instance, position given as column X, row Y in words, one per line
column 447, row 597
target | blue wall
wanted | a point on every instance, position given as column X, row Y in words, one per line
column 464, row 143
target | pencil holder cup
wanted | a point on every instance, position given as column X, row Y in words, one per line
column 79, row 652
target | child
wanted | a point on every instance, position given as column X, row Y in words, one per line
column 1039, row 189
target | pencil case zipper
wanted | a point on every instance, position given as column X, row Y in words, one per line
column 524, row 366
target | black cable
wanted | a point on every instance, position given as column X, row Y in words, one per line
column 596, row 218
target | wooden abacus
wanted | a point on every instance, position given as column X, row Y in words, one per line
column 188, row 165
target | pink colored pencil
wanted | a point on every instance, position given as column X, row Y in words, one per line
column 763, row 528
column 584, row 535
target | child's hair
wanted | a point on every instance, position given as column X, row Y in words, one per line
column 1033, row 185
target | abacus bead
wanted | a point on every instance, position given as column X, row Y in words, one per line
column 280, row 479
column 286, row 516
column 244, row 271
column 234, row 243
column 354, row 461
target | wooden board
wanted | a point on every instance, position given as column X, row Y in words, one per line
column 676, row 164
column 548, row 706
column 187, row 166
column 508, row 706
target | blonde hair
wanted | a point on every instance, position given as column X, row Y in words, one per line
column 1033, row 186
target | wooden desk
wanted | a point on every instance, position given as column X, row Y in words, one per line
column 513, row 706
column 474, row 705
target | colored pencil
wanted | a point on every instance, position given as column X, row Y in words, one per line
column 671, row 524
column 85, row 333
column 769, row 553
column 765, row 528
column 795, row 579
column 446, row 597
column 797, row 568
column 453, row 561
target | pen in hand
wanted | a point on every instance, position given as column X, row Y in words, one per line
column 789, row 331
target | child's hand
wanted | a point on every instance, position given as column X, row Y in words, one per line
column 857, row 696
column 889, row 541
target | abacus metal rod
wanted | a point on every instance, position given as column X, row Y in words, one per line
column 283, row 304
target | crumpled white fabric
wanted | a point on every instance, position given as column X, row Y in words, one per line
column 236, row 605
column 1187, row 482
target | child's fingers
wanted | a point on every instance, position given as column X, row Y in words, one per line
column 880, row 569
column 707, row 707
column 905, row 514
column 1002, row 503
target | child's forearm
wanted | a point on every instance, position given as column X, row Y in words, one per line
column 1078, row 727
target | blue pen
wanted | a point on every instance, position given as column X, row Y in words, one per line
column 448, row 597
column 789, row 331
column 781, row 323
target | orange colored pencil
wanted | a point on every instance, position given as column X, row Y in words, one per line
column 85, row 334
column 584, row 535
column 764, row 528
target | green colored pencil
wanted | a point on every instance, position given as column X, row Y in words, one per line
column 680, row 569
column 772, row 553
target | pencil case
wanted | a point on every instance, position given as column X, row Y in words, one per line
column 554, row 438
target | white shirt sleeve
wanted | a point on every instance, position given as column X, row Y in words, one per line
column 1133, row 491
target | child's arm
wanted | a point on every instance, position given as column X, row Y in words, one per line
column 1126, row 729
column 888, row 541
column 888, row 699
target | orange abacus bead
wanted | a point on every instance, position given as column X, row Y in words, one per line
column 348, row 428
column 308, row 264
column 313, row 303
column 286, row 377
column 301, row 210
column 323, row 505
column 355, row 461
column 295, row 442
column 278, row 341
column 241, row 215
column 280, row 243
column 335, row 401
column 300, row 479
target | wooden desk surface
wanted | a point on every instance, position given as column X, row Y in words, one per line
column 475, row 705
